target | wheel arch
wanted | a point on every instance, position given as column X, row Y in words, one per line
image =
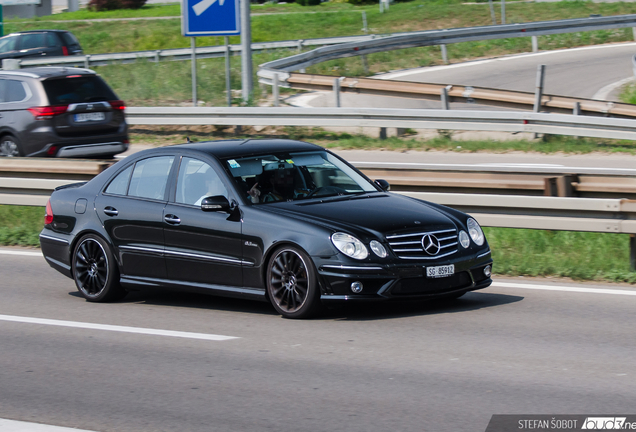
column 101, row 235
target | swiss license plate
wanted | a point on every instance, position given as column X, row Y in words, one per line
column 87, row 117
column 440, row 271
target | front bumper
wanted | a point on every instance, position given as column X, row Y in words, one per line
column 399, row 281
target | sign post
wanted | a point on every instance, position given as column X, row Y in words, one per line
column 208, row 18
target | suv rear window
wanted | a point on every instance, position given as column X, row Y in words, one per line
column 87, row 88
column 69, row 39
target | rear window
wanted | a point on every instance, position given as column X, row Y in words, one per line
column 87, row 88
column 69, row 39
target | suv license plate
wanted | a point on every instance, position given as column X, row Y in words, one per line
column 86, row 117
column 440, row 271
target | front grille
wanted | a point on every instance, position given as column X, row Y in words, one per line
column 409, row 246
column 413, row 286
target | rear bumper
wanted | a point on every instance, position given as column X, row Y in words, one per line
column 83, row 150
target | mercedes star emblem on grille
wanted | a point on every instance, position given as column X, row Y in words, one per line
column 430, row 244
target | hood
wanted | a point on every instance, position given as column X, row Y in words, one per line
column 383, row 213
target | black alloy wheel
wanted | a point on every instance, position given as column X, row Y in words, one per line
column 9, row 146
column 95, row 271
column 292, row 285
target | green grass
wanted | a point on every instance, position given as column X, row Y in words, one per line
column 577, row 255
column 20, row 226
column 516, row 252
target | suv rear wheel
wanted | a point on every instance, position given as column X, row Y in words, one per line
column 9, row 146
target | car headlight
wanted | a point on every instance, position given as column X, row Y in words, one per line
column 378, row 249
column 464, row 240
column 475, row 232
column 349, row 245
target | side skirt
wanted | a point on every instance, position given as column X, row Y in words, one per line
column 220, row 290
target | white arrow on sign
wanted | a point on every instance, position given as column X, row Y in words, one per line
column 202, row 6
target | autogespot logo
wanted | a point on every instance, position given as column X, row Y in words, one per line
column 604, row 423
column 431, row 245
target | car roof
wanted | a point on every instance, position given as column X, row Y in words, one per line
column 247, row 147
column 48, row 72
column 37, row 31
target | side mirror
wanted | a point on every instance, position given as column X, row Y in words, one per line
column 384, row 185
column 215, row 203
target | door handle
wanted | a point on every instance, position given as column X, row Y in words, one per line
column 172, row 219
column 111, row 211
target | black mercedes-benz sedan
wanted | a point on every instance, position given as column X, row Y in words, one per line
column 278, row 220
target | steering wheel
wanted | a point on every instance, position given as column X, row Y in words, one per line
column 328, row 190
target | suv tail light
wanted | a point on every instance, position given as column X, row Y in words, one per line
column 64, row 50
column 117, row 105
column 48, row 215
column 47, row 112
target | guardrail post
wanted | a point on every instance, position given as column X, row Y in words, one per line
column 634, row 32
column 382, row 133
column 228, row 72
column 445, row 101
column 632, row 252
column 300, row 49
column 275, row 90
column 535, row 43
column 444, row 53
column 87, row 61
column 336, row 90
column 503, row 11
column 365, row 29
column 157, row 52
column 538, row 94
column 492, row 12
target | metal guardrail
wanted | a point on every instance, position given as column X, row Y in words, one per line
column 460, row 93
column 556, row 124
column 436, row 37
column 31, row 184
column 180, row 54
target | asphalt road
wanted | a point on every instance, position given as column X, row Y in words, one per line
column 587, row 72
column 420, row 367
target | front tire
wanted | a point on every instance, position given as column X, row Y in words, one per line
column 95, row 271
column 292, row 284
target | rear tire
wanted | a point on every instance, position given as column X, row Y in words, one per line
column 10, row 146
column 95, row 271
column 292, row 284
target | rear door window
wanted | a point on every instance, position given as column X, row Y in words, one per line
column 81, row 89
column 32, row 40
column 150, row 177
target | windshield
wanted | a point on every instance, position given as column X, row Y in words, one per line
column 295, row 176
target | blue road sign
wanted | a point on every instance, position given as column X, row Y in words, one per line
column 210, row 18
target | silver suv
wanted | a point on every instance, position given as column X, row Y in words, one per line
column 59, row 112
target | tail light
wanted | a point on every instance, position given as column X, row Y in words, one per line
column 48, row 215
column 52, row 151
column 118, row 105
column 64, row 51
column 47, row 112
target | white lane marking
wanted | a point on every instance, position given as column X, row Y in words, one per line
column 399, row 74
column 604, row 92
column 19, row 252
column 116, row 328
column 564, row 288
column 20, row 426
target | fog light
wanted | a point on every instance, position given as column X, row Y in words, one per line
column 356, row 287
column 487, row 271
